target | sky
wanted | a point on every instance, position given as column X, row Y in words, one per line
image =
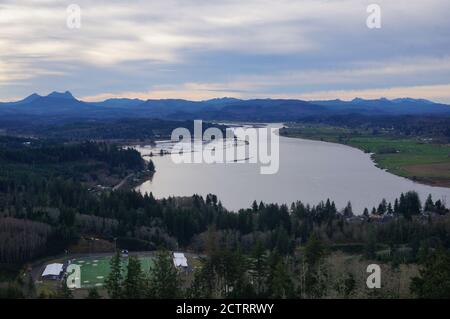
column 202, row 49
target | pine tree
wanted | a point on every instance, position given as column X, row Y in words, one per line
column 429, row 205
column 281, row 285
column 410, row 204
column 366, row 212
column 434, row 277
column 258, row 266
column 382, row 208
column 236, row 280
column 374, row 211
column 390, row 211
column 164, row 280
column 115, row 278
column 133, row 285
column 314, row 251
column 316, row 273
column 151, row 166
column 396, row 207
column 348, row 210
column 255, row 206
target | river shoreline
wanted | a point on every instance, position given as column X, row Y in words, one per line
column 422, row 180
column 310, row 171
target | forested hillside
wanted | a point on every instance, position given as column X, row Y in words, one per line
column 47, row 204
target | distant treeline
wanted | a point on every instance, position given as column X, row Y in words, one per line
column 91, row 163
column 431, row 126
column 110, row 129
column 63, row 153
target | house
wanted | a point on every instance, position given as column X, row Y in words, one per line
column 53, row 271
column 179, row 260
column 355, row 219
column 380, row 218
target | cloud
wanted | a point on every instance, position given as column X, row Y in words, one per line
column 373, row 75
column 200, row 92
column 11, row 72
column 245, row 48
column 188, row 91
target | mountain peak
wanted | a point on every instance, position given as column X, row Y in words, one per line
column 31, row 98
column 411, row 100
column 34, row 95
column 60, row 95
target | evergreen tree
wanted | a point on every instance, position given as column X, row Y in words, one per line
column 348, row 210
column 429, row 205
column 382, row 208
column 315, row 273
column 164, row 282
column 114, row 280
column 434, row 277
column 235, row 267
column 314, row 251
column 258, row 267
column 281, row 285
column 151, row 166
column 133, row 285
column 411, row 204
column 396, row 207
column 366, row 213
column 390, row 210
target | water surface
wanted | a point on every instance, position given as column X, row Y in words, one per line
column 309, row 171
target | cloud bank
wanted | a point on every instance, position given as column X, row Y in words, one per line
column 199, row 49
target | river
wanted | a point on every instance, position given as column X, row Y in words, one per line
column 309, row 171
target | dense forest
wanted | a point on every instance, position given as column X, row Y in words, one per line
column 119, row 130
column 431, row 126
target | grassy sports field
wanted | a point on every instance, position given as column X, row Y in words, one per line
column 414, row 158
column 95, row 270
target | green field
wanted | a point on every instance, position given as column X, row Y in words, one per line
column 95, row 270
column 416, row 158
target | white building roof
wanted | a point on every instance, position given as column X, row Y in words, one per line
column 53, row 270
column 179, row 260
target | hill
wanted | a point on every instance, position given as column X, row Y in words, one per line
column 59, row 106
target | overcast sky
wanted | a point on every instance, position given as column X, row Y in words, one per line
column 200, row 49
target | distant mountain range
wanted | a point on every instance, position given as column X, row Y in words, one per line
column 65, row 105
